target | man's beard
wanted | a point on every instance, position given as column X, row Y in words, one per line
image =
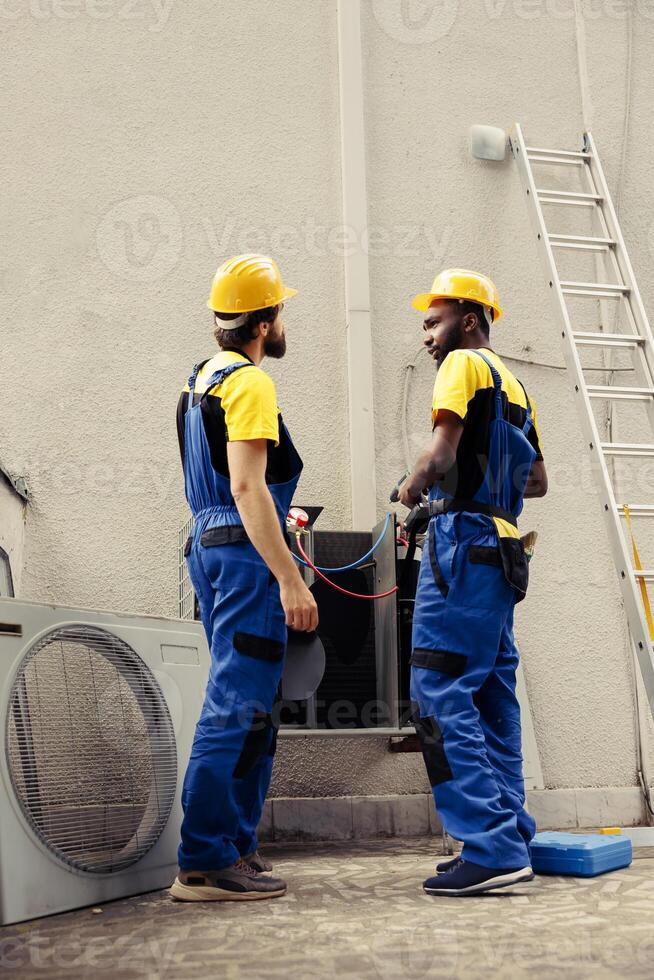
column 451, row 342
column 274, row 346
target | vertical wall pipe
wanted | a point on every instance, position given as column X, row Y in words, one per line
column 357, row 280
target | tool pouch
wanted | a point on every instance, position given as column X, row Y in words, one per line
column 515, row 565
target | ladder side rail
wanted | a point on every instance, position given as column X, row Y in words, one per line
column 622, row 255
column 631, row 305
column 621, row 555
column 608, row 268
column 607, row 261
column 596, row 181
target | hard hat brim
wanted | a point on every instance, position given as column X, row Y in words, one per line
column 287, row 293
column 423, row 301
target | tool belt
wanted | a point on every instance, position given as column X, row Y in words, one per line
column 227, row 534
column 458, row 505
column 510, row 553
column 223, row 535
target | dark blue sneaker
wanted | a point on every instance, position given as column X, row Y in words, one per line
column 446, row 865
column 466, row 878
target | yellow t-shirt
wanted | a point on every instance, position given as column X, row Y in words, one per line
column 247, row 398
column 464, row 385
column 463, row 373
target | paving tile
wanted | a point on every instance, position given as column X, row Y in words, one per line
column 355, row 909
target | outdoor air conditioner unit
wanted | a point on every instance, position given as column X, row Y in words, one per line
column 99, row 711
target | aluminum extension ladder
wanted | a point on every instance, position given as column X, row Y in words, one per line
column 637, row 339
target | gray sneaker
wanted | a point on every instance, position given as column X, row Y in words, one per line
column 238, row 883
column 257, row 861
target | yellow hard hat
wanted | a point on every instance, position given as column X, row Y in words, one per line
column 246, row 283
column 461, row 284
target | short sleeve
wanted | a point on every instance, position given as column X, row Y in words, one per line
column 249, row 401
column 456, row 383
column 534, row 432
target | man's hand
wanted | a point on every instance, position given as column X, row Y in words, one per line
column 298, row 604
column 408, row 495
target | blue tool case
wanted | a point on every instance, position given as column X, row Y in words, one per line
column 582, row 855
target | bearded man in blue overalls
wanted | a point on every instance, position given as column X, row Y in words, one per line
column 240, row 471
column 484, row 458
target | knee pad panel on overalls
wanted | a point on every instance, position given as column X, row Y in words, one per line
column 433, row 748
column 438, row 699
column 257, row 743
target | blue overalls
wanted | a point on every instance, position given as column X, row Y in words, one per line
column 232, row 755
column 464, row 657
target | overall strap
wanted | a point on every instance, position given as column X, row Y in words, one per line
column 216, row 378
column 528, row 419
column 191, row 382
column 497, row 384
column 219, row 376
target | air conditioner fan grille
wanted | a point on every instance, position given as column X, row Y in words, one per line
column 91, row 748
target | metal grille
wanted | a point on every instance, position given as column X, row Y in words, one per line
column 186, row 594
column 91, row 749
column 350, row 673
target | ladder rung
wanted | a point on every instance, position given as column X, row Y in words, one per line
column 611, row 289
column 581, row 245
column 644, row 573
column 637, row 510
column 555, row 159
column 584, row 339
column 580, row 239
column 562, row 154
column 615, row 391
column 568, row 197
column 616, row 287
column 627, row 449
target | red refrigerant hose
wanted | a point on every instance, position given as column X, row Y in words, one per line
column 353, row 595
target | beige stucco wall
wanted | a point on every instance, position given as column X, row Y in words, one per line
column 141, row 151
